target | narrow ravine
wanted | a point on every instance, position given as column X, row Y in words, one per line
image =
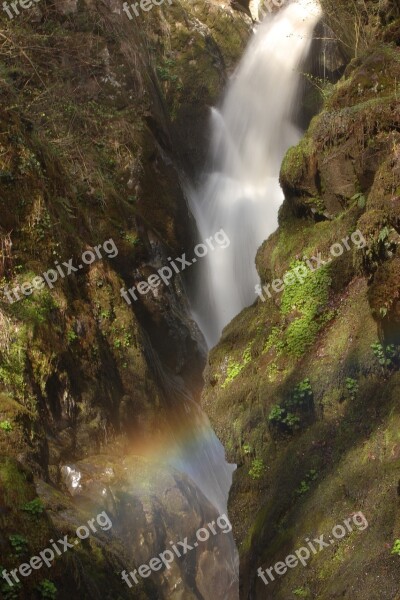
column 170, row 432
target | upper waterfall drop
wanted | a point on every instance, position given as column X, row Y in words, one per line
column 251, row 132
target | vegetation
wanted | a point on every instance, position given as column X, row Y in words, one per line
column 72, row 335
column 47, row 590
column 235, row 368
column 246, row 449
column 305, row 484
column 292, row 413
column 87, row 111
column 348, row 19
column 19, row 544
column 396, row 547
column 352, row 387
column 35, row 507
column 92, row 114
column 309, row 299
column 360, row 199
column 10, row 592
column 6, row 426
column 388, row 356
column 301, row 593
column 257, row 468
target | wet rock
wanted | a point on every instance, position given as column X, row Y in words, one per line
column 150, row 506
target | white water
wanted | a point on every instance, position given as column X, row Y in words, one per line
column 251, row 133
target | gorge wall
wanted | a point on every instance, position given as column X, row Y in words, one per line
column 303, row 386
column 101, row 119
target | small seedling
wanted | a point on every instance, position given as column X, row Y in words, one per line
column 257, row 468
column 396, row 548
column 34, row 507
column 19, row 544
column 6, row 426
column 352, row 387
column 47, row 590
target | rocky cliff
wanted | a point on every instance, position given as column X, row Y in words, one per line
column 303, row 387
column 101, row 119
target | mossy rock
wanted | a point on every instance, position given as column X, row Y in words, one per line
column 384, row 298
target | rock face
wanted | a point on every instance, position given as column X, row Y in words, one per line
column 164, row 507
column 101, row 121
column 138, row 510
column 303, row 387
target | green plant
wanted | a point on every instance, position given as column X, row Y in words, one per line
column 122, row 337
column 132, row 238
column 47, row 590
column 36, row 309
column 164, row 70
column 309, row 300
column 123, row 342
column 281, row 417
column 12, row 364
column 301, row 592
column 305, row 484
column 380, row 247
column 275, row 340
column 6, row 426
column 28, row 161
column 396, row 547
column 303, row 488
column 384, row 234
column 247, row 356
column 42, row 226
column 71, row 335
column 277, row 414
column 352, row 387
column 292, row 421
column 6, row 177
column 288, row 415
column 361, row 201
column 19, row 544
column 8, row 592
column 302, row 395
column 387, row 356
column 235, row 368
column 34, row 507
column 324, row 86
column 246, row 449
column 257, row 468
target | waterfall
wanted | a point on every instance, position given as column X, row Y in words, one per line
column 251, row 132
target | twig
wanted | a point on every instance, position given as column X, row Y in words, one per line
column 25, row 54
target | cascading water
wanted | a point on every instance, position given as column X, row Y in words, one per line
column 251, row 133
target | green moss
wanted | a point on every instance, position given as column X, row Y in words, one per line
column 36, row 309
column 309, row 299
column 384, row 291
column 301, row 593
column 47, row 590
column 6, row 426
column 292, row 413
column 306, row 483
column 257, row 468
column 275, row 340
column 307, row 303
column 13, row 360
column 235, row 368
column 295, row 162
